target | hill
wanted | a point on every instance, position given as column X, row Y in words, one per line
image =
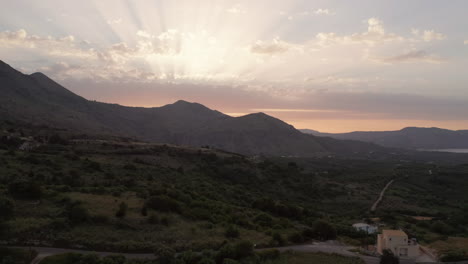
column 37, row 99
column 409, row 138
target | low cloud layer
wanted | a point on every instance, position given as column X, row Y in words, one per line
column 414, row 56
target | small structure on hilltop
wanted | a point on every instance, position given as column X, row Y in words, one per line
column 397, row 241
column 369, row 229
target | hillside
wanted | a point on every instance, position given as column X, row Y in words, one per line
column 37, row 99
column 409, row 138
column 71, row 190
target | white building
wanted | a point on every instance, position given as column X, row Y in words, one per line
column 369, row 229
column 397, row 241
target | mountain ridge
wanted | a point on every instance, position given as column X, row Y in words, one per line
column 406, row 138
column 38, row 99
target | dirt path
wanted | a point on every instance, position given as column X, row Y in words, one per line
column 382, row 193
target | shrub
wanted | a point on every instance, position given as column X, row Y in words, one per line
column 25, row 189
column 270, row 254
column 78, row 214
column 153, row 219
column 122, row 211
column 323, row 230
column 453, row 256
column 243, row 249
column 231, row 232
column 206, row 261
column 7, row 209
column 296, row 237
column 165, row 255
column 278, row 240
column 388, row 258
column 189, row 257
column 230, row 261
column 144, row 211
column 163, row 203
column 264, row 220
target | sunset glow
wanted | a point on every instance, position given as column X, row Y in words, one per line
column 332, row 66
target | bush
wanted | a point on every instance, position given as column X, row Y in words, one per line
column 388, row 258
column 122, row 211
column 270, row 254
column 232, row 232
column 453, row 256
column 278, row 240
column 189, row 257
column 230, row 261
column 441, row 228
column 78, row 214
column 323, row 230
column 7, row 209
column 163, row 203
column 264, row 220
column 25, row 189
column 153, row 219
column 296, row 237
column 165, row 255
column 243, row 249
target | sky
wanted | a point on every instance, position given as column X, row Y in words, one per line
column 331, row 66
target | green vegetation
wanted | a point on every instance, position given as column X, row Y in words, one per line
column 16, row 256
column 389, row 258
column 115, row 194
column 240, row 254
column 322, row 258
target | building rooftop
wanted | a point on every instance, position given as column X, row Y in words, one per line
column 361, row 225
column 394, row 233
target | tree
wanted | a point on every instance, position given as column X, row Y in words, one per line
column 165, row 255
column 7, row 209
column 243, row 249
column 122, row 211
column 388, row 257
column 78, row 214
column 25, row 189
column 231, row 232
column 323, row 230
column 278, row 239
column 144, row 211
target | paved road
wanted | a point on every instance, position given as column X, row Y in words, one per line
column 44, row 252
column 326, row 247
column 335, row 247
column 382, row 193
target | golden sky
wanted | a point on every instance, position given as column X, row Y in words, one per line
column 332, row 65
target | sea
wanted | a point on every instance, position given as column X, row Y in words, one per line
column 448, row 150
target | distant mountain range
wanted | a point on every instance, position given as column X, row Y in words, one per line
column 37, row 99
column 407, row 138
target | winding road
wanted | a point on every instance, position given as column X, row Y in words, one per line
column 382, row 193
column 44, row 252
column 325, row 247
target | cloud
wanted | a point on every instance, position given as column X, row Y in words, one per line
column 277, row 46
column 325, row 11
column 375, row 34
column 412, row 57
column 236, row 10
column 114, row 21
column 428, row 35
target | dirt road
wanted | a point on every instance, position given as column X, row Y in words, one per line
column 382, row 193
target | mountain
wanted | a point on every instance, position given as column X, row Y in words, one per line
column 39, row 100
column 409, row 138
